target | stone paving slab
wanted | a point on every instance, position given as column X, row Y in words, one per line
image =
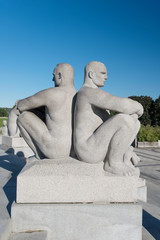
column 150, row 170
column 41, row 235
column 10, row 166
column 146, row 235
column 5, row 228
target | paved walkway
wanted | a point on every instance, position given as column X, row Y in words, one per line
column 150, row 170
column 11, row 165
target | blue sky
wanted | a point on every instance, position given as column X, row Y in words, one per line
column 35, row 35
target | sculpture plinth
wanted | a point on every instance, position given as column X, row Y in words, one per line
column 14, row 141
column 80, row 221
column 89, row 202
column 71, row 181
column 16, row 145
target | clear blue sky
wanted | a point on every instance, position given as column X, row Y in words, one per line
column 35, row 35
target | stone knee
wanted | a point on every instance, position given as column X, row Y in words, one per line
column 129, row 122
column 134, row 123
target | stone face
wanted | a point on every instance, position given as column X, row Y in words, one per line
column 69, row 180
column 80, row 221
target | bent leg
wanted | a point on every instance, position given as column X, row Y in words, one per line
column 119, row 145
column 96, row 147
column 109, row 143
column 35, row 132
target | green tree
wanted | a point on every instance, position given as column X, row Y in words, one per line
column 148, row 105
column 3, row 112
column 149, row 134
column 157, row 111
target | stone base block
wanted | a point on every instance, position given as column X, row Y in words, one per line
column 70, row 181
column 41, row 235
column 80, row 221
column 13, row 141
column 17, row 146
column 148, row 144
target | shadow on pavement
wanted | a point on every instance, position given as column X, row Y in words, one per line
column 151, row 224
column 13, row 164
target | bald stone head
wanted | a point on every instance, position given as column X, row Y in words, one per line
column 95, row 74
column 63, row 75
column 4, row 122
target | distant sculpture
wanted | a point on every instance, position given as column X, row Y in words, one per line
column 50, row 137
column 13, row 129
column 4, row 129
column 98, row 137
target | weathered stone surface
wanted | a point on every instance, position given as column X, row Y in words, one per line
column 16, row 145
column 80, row 221
column 41, row 235
column 4, row 129
column 5, row 222
column 13, row 141
column 69, row 180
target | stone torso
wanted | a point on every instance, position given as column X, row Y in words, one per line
column 87, row 116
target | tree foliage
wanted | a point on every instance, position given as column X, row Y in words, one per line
column 149, row 133
column 3, row 112
column 157, row 111
column 151, row 115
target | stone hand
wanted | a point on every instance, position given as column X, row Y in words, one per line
column 140, row 112
column 16, row 110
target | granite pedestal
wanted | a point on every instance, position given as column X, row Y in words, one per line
column 69, row 180
column 74, row 200
column 80, row 221
column 16, row 145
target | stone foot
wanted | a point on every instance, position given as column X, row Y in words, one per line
column 130, row 158
column 121, row 169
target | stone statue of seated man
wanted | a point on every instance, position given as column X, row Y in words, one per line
column 98, row 137
column 4, row 129
column 50, row 137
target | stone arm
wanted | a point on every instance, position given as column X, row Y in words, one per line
column 37, row 100
column 105, row 100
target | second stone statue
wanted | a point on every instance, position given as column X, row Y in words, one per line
column 50, row 136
